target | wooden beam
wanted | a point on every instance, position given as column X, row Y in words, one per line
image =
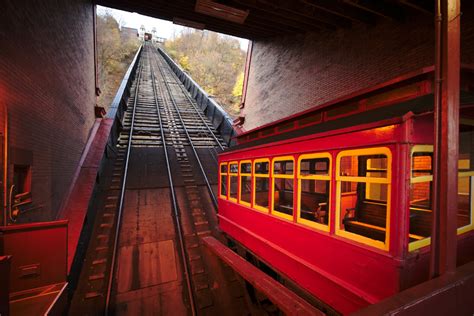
column 285, row 299
column 417, row 6
column 446, row 147
column 348, row 12
column 379, row 8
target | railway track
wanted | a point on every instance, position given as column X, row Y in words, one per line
column 134, row 267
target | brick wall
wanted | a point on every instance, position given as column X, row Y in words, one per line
column 292, row 74
column 47, row 84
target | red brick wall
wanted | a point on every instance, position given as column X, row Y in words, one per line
column 47, row 84
column 291, row 74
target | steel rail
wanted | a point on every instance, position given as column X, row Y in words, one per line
column 122, row 196
column 211, row 192
column 177, row 214
column 191, row 101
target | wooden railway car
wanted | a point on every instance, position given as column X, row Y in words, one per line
column 337, row 198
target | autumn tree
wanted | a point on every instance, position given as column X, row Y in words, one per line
column 114, row 54
column 214, row 61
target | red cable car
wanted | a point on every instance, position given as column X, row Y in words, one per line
column 337, row 199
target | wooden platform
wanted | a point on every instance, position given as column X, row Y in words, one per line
column 285, row 299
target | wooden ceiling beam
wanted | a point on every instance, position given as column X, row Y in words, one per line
column 349, row 12
column 302, row 10
column 379, row 7
column 281, row 17
column 426, row 9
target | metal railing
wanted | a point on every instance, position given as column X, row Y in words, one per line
column 219, row 118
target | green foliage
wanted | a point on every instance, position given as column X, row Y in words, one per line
column 214, row 61
column 114, row 54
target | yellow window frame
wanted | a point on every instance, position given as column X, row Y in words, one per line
column 281, row 176
column 417, row 244
column 469, row 227
column 233, row 174
column 299, row 219
column 220, row 179
column 428, row 149
column 240, row 181
column 254, row 180
column 388, row 180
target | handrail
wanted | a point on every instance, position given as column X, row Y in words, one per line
column 219, row 118
column 120, row 96
column 118, row 107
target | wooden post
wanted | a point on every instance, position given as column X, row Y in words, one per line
column 446, row 147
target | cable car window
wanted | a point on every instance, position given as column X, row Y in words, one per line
column 466, row 175
column 314, row 189
column 421, row 188
column 261, row 167
column 233, row 181
column 283, row 167
column 261, row 186
column 420, row 219
column 362, row 213
column 223, row 179
column 245, row 182
column 283, row 177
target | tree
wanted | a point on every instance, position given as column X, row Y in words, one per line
column 114, row 54
column 214, row 61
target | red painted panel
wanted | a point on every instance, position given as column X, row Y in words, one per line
column 347, row 279
column 4, row 284
column 368, row 135
column 39, row 253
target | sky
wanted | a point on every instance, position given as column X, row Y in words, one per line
column 164, row 28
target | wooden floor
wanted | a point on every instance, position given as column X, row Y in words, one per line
column 149, row 278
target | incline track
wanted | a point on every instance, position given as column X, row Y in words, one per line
column 145, row 256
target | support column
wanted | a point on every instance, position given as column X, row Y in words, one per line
column 446, row 146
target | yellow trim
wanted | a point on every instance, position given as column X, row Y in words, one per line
column 418, row 237
column 466, row 174
column 419, row 244
column 423, row 149
column 363, row 179
column 299, row 219
column 233, row 174
column 281, row 176
column 421, row 179
column 220, row 179
column 364, row 152
column 369, row 226
column 461, row 230
column 240, row 181
column 465, row 229
column 254, row 187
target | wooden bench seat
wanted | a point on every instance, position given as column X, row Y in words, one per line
column 369, row 220
column 314, row 207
